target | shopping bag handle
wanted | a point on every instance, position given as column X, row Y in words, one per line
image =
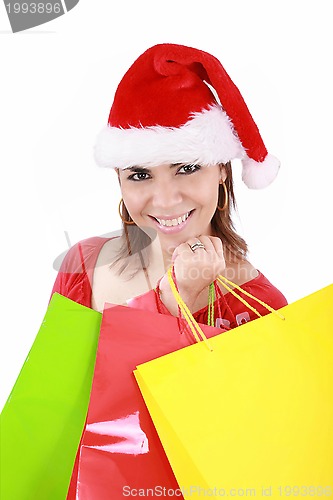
column 223, row 281
column 192, row 323
column 194, row 326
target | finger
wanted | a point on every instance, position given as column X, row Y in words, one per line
column 174, row 255
column 182, row 249
column 193, row 242
column 208, row 244
column 215, row 252
column 218, row 245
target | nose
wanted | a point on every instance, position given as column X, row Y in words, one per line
column 166, row 195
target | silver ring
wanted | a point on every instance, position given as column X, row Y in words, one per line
column 197, row 245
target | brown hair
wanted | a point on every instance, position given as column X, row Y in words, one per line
column 222, row 223
column 135, row 242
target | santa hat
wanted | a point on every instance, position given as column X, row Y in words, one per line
column 177, row 104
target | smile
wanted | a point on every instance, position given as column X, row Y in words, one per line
column 174, row 224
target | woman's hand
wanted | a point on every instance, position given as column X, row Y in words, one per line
column 194, row 270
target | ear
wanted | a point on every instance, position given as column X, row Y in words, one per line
column 223, row 173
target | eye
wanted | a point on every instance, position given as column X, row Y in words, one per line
column 188, row 169
column 139, row 176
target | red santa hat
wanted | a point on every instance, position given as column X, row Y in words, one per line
column 177, row 104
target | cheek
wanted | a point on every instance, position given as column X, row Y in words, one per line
column 212, row 204
column 208, row 196
column 207, row 185
column 209, row 202
column 134, row 200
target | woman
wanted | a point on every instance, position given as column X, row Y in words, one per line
column 176, row 123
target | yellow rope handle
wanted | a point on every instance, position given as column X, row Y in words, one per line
column 238, row 297
column 269, row 308
column 194, row 326
column 183, row 307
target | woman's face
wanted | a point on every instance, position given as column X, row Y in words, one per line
column 177, row 200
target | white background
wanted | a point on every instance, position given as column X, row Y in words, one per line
column 57, row 84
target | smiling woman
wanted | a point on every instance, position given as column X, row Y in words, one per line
column 209, row 188
column 176, row 123
column 179, row 202
column 170, row 199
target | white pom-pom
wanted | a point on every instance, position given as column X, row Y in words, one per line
column 257, row 175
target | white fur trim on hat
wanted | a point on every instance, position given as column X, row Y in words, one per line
column 257, row 175
column 207, row 138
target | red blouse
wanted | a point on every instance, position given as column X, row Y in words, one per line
column 75, row 277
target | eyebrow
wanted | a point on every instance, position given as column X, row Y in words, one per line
column 147, row 170
column 137, row 169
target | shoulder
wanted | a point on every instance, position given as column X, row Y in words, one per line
column 108, row 251
column 249, row 278
column 114, row 279
column 270, row 293
column 81, row 254
column 75, row 269
column 240, row 271
column 263, row 289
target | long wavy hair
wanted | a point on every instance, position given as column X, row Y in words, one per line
column 134, row 242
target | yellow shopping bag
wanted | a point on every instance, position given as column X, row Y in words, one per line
column 252, row 414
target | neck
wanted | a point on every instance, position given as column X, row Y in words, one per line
column 161, row 253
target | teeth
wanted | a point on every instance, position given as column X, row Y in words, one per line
column 173, row 222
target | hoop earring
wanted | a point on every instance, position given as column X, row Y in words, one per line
column 128, row 222
column 226, row 198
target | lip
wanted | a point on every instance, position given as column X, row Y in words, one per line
column 171, row 229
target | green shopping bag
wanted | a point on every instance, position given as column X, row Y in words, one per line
column 43, row 418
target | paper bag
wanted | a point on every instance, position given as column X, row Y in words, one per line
column 254, row 413
column 43, row 418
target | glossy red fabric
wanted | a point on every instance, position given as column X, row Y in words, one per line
column 120, row 449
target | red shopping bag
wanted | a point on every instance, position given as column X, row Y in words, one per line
column 120, row 451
